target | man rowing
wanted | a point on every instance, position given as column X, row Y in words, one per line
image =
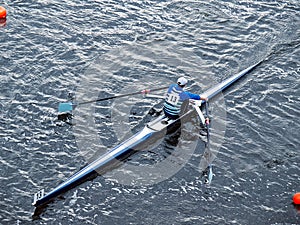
column 176, row 98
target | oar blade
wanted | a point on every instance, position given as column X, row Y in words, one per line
column 65, row 107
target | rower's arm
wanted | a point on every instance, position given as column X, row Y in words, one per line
column 193, row 96
column 196, row 96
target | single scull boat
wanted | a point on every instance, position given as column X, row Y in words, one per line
column 127, row 146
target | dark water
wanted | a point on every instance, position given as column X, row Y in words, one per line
column 48, row 50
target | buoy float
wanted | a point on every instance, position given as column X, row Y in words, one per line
column 296, row 198
column 2, row 12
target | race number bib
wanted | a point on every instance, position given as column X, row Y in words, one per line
column 173, row 98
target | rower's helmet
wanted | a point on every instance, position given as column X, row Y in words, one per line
column 182, row 81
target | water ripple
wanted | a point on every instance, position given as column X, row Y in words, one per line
column 46, row 48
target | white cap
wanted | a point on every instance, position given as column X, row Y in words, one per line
column 182, row 81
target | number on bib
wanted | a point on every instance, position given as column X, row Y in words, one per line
column 173, row 98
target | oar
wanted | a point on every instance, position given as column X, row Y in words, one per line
column 209, row 168
column 65, row 107
column 207, row 121
column 208, row 172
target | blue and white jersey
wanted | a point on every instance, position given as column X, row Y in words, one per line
column 174, row 99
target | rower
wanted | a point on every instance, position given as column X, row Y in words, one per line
column 175, row 98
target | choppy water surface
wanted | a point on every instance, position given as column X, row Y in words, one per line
column 49, row 47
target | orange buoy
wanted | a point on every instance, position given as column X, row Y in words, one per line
column 2, row 12
column 296, row 198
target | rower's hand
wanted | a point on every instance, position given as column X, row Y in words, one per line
column 207, row 121
column 204, row 98
column 146, row 91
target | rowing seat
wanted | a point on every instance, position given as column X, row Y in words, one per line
column 160, row 123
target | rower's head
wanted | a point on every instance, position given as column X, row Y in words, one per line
column 182, row 81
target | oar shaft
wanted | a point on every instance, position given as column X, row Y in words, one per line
column 209, row 168
column 122, row 95
column 207, row 123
